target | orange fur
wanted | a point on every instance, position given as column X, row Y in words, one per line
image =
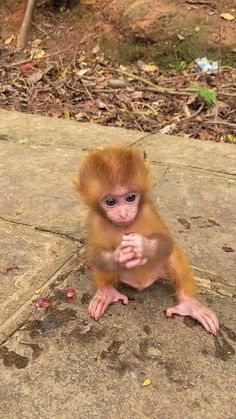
column 100, row 173
column 103, row 169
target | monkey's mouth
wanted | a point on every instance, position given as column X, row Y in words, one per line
column 125, row 223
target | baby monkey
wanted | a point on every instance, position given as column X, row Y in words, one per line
column 127, row 241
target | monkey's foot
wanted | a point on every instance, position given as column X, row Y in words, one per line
column 103, row 298
column 196, row 310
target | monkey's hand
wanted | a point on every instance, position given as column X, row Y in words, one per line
column 105, row 296
column 140, row 246
column 193, row 308
column 123, row 256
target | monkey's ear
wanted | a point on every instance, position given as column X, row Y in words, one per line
column 144, row 155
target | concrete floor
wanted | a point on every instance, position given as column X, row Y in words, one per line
column 57, row 362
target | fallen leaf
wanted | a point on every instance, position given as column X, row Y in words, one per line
column 6, row 88
column 38, row 53
column 18, row 85
column 43, row 302
column 36, row 76
column 37, row 292
column 149, row 68
column 137, row 95
column 102, row 105
column 70, row 294
column 197, row 29
column 186, row 111
column 230, row 138
column 147, row 382
column 65, row 72
column 227, row 16
column 66, row 114
column 82, row 72
column 9, row 40
column 36, row 42
column 96, row 50
column 228, row 249
column 168, row 129
column 204, row 135
column 119, row 83
column 28, row 66
column 180, row 37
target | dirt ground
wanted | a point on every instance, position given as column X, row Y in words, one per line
column 112, row 63
column 89, row 20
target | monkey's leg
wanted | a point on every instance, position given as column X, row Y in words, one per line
column 181, row 275
column 106, row 294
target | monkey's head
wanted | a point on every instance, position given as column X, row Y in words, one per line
column 114, row 180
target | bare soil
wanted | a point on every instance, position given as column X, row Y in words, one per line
column 75, row 70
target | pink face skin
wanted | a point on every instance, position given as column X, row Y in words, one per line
column 121, row 207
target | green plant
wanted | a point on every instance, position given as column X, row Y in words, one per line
column 208, row 96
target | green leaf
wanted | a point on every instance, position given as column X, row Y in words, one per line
column 209, row 96
column 183, row 65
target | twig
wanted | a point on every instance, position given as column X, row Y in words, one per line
column 194, row 114
column 138, row 125
column 224, row 123
column 145, row 81
column 57, row 52
column 227, row 67
column 17, row 63
column 40, row 29
column 227, row 94
column 165, row 91
column 204, row 2
column 87, row 91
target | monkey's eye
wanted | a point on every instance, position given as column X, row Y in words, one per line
column 111, row 202
column 131, row 197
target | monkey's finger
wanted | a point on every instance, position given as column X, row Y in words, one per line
column 124, row 299
column 100, row 309
column 211, row 323
column 126, row 249
column 124, row 244
column 129, row 236
column 126, row 257
column 93, row 307
column 130, row 241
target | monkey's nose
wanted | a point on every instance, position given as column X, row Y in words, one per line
column 123, row 214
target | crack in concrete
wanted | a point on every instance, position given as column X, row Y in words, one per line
column 41, row 229
column 21, row 315
column 224, row 175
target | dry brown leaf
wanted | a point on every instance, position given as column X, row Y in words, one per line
column 36, row 42
column 227, row 16
column 36, row 76
column 9, row 40
column 204, row 135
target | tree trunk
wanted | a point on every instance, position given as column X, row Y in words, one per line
column 26, row 24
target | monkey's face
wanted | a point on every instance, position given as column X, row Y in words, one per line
column 121, row 207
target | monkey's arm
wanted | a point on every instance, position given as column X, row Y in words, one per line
column 180, row 273
column 158, row 246
column 106, row 266
column 109, row 260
